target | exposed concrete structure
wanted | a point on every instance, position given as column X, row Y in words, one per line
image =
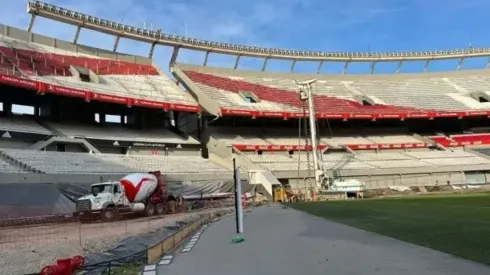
column 38, row 8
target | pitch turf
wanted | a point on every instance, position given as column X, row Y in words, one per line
column 456, row 224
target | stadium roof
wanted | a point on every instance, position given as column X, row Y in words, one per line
column 158, row 37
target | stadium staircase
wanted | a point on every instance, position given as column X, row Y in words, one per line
column 223, row 155
column 22, row 166
column 49, row 127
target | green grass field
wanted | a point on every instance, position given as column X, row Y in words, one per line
column 456, row 224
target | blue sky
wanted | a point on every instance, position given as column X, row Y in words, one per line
column 348, row 25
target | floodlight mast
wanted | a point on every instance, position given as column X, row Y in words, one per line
column 306, row 94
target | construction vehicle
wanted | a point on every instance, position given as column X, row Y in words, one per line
column 138, row 193
column 284, row 194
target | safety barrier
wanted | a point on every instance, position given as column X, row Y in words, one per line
column 148, row 256
column 154, row 253
column 64, row 266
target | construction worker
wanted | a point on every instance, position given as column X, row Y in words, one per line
column 171, row 202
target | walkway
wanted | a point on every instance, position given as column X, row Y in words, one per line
column 284, row 241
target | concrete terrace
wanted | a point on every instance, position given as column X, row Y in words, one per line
column 289, row 242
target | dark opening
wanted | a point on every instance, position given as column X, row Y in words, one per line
column 366, row 103
column 250, row 99
column 61, row 147
column 85, row 77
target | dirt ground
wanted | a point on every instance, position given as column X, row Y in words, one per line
column 28, row 249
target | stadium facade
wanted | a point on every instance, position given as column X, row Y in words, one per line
column 386, row 130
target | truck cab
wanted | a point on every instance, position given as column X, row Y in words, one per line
column 102, row 196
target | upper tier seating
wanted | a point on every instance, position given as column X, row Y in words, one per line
column 22, row 124
column 32, row 58
column 391, row 94
column 82, row 163
column 121, row 134
column 119, row 78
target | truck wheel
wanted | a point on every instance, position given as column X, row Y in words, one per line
column 108, row 215
column 159, row 209
column 150, row 210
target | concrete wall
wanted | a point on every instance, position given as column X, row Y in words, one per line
column 385, row 181
column 15, row 144
column 56, row 43
column 51, row 178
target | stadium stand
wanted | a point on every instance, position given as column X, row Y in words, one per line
column 23, row 124
column 116, row 132
column 250, row 138
column 363, row 95
column 372, row 161
column 6, row 167
column 79, row 71
column 462, row 140
column 82, row 163
column 58, row 71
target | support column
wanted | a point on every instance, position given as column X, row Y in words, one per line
column 461, row 60
column 237, row 60
column 292, row 65
column 31, row 22
column 319, row 69
column 175, row 53
column 206, row 59
column 152, row 49
column 77, row 34
column 346, row 66
column 116, row 43
column 265, row 63
column 398, row 69
column 426, row 66
column 373, row 67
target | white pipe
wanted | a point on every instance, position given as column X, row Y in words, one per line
column 314, row 146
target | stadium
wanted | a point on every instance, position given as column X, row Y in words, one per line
column 98, row 115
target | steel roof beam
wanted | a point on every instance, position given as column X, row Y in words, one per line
column 109, row 27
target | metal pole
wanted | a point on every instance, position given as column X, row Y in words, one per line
column 238, row 198
column 312, row 113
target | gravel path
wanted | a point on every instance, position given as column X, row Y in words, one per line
column 28, row 249
column 289, row 242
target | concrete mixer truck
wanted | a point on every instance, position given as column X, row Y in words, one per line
column 138, row 193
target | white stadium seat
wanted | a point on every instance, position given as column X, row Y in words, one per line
column 83, row 163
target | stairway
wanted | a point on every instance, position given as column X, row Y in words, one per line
column 21, row 165
column 50, row 128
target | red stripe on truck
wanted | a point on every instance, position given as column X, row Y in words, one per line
column 132, row 190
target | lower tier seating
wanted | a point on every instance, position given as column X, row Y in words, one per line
column 83, row 163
